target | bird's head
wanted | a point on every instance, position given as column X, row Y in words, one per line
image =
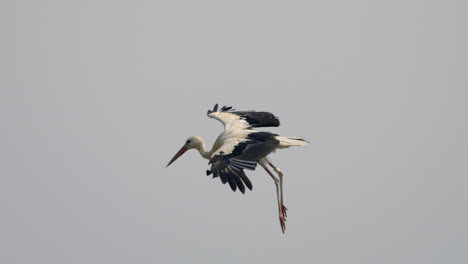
column 190, row 143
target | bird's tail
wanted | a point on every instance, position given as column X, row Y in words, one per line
column 286, row 142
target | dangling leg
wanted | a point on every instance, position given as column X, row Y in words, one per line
column 280, row 174
column 282, row 216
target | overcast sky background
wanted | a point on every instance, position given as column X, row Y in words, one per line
column 97, row 96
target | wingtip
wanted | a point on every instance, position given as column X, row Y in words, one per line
column 232, row 185
column 226, row 108
column 215, row 109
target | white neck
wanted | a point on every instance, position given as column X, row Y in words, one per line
column 202, row 149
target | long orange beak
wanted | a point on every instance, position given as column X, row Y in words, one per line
column 177, row 155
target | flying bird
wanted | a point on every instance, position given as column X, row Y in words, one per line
column 240, row 148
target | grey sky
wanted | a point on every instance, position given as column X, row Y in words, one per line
column 96, row 97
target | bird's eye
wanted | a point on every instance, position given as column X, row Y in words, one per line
column 188, row 142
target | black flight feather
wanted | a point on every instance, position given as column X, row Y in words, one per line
column 259, row 119
column 246, row 180
column 231, row 181
column 223, row 177
column 239, row 183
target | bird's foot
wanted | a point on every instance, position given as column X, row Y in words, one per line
column 282, row 219
column 283, row 211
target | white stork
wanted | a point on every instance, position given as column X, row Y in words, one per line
column 239, row 147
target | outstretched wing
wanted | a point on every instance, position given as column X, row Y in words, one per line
column 229, row 162
column 243, row 119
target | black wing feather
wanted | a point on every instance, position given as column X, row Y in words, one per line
column 258, row 146
column 259, row 119
column 238, row 183
column 223, row 177
column 232, row 182
column 228, row 178
column 246, row 180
